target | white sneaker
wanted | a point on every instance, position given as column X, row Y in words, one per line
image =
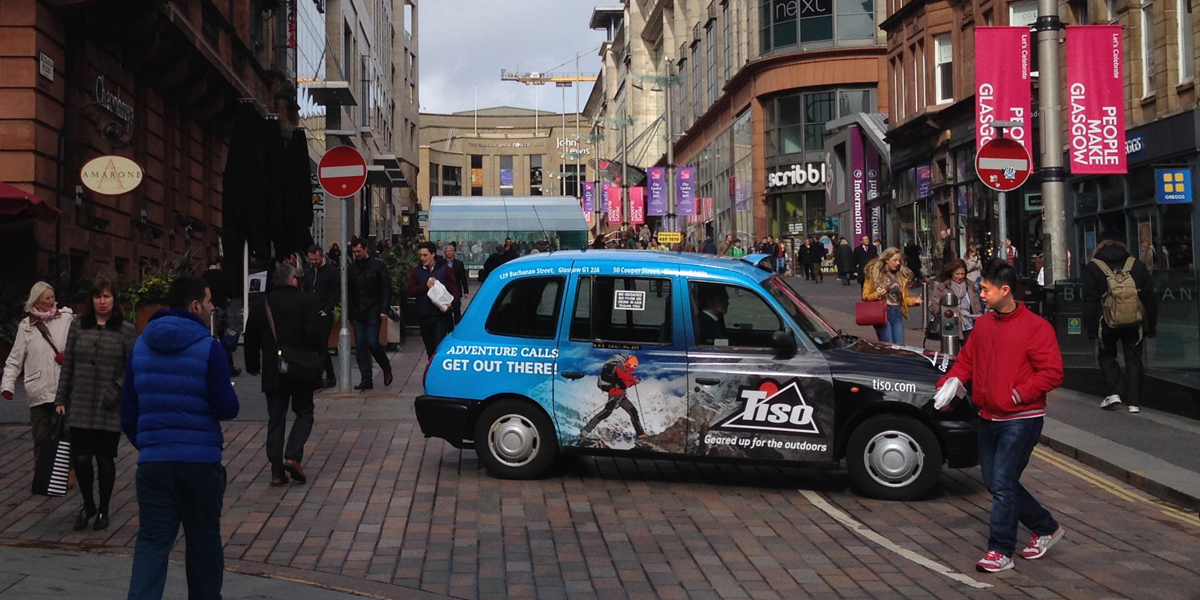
column 1111, row 402
column 1040, row 544
column 1135, row 410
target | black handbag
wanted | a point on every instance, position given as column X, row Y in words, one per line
column 53, row 466
column 302, row 367
column 933, row 330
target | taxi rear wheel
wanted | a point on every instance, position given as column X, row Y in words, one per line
column 892, row 457
column 515, row 440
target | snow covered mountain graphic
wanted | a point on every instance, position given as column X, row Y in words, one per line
column 771, row 409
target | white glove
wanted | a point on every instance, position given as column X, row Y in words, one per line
column 953, row 388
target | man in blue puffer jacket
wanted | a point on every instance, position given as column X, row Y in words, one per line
column 176, row 392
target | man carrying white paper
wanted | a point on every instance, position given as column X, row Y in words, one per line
column 1014, row 361
column 436, row 319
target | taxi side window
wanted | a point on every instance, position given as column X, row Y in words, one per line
column 634, row 310
column 528, row 308
column 730, row 315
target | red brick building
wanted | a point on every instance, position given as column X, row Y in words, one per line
column 155, row 81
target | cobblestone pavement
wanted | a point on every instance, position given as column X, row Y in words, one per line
column 389, row 514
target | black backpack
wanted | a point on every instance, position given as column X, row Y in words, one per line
column 608, row 373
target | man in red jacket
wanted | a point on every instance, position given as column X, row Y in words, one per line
column 1014, row 361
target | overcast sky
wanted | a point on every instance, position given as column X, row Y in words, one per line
column 465, row 43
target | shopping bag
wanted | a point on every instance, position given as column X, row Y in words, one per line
column 870, row 313
column 53, row 466
column 441, row 297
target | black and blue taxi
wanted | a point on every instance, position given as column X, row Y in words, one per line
column 669, row 355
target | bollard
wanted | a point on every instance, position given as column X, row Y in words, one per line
column 950, row 315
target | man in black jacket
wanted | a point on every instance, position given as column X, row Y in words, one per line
column 460, row 277
column 863, row 253
column 435, row 322
column 493, row 262
column 370, row 297
column 321, row 280
column 293, row 318
column 1125, row 387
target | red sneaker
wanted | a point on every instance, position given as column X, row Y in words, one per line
column 993, row 562
column 1040, row 544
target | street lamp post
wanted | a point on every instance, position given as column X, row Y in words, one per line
column 671, row 218
column 1052, row 173
column 625, row 162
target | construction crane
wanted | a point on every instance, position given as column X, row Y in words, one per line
column 535, row 78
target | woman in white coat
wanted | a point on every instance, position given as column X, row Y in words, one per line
column 38, row 352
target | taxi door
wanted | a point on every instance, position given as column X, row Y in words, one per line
column 747, row 398
column 622, row 368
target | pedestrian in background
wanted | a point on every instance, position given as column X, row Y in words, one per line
column 37, row 352
column 460, row 276
column 887, row 281
column 953, row 279
column 322, row 282
column 863, row 254
column 726, row 245
column 974, row 265
column 89, row 394
column 218, row 284
column 736, row 250
column 1014, row 360
column 292, row 315
column 435, row 321
column 816, row 260
column 370, row 296
column 781, row 256
column 176, row 393
column 335, row 255
column 1102, row 304
column 912, row 259
column 709, row 247
column 843, row 257
column 802, row 259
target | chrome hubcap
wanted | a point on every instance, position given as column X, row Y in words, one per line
column 893, row 459
column 513, row 440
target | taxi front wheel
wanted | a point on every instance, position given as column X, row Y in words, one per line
column 893, row 457
column 515, row 440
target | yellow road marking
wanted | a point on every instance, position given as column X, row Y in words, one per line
column 1120, row 492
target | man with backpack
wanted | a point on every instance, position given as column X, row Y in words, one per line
column 1119, row 306
column 616, row 376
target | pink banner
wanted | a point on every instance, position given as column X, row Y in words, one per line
column 613, row 197
column 1002, row 91
column 637, row 205
column 1096, row 100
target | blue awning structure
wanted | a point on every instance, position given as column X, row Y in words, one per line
column 506, row 213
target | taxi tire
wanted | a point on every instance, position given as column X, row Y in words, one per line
column 905, row 433
column 524, row 424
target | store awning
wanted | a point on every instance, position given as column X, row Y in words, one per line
column 506, row 213
column 15, row 202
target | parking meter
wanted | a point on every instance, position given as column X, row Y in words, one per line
column 950, row 317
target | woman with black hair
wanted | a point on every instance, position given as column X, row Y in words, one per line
column 89, row 391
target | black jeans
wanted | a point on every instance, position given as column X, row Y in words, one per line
column 324, row 327
column 277, row 406
column 367, row 346
column 1125, row 383
column 171, row 494
column 434, row 329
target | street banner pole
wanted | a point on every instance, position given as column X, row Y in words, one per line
column 344, row 332
column 1052, row 174
column 671, row 224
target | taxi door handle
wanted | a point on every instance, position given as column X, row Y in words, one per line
column 572, row 375
column 707, row 381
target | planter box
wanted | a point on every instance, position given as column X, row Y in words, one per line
column 337, row 328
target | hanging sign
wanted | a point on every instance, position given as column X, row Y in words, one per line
column 656, row 178
column 685, row 191
column 1173, row 186
column 613, row 197
column 1002, row 83
column 589, row 196
column 1095, row 100
column 637, row 205
column 110, row 175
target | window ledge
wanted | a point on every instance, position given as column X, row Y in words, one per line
column 1186, row 85
column 1147, row 99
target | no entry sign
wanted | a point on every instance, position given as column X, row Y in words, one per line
column 1003, row 164
column 342, row 171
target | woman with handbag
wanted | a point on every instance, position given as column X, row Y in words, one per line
column 886, row 280
column 89, row 391
column 37, row 351
column 953, row 279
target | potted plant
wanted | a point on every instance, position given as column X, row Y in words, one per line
column 150, row 294
column 400, row 260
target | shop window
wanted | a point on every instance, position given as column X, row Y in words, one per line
column 506, row 176
column 1079, row 11
column 434, row 170
column 476, row 175
column 784, row 24
column 1147, row 30
column 943, row 50
column 710, row 50
column 630, row 310
column 527, row 308
column 854, row 101
column 573, row 178
column 818, row 110
column 1112, row 190
column 855, row 19
column 451, row 181
column 535, row 175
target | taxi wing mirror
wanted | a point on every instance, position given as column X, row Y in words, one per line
column 784, row 343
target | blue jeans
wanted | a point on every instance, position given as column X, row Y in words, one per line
column 170, row 494
column 367, row 346
column 892, row 332
column 1004, row 450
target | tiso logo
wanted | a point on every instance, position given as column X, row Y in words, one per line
column 770, row 409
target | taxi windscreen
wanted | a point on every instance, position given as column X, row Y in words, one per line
column 805, row 316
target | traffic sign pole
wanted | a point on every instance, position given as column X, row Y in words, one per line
column 342, row 172
column 1003, row 165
